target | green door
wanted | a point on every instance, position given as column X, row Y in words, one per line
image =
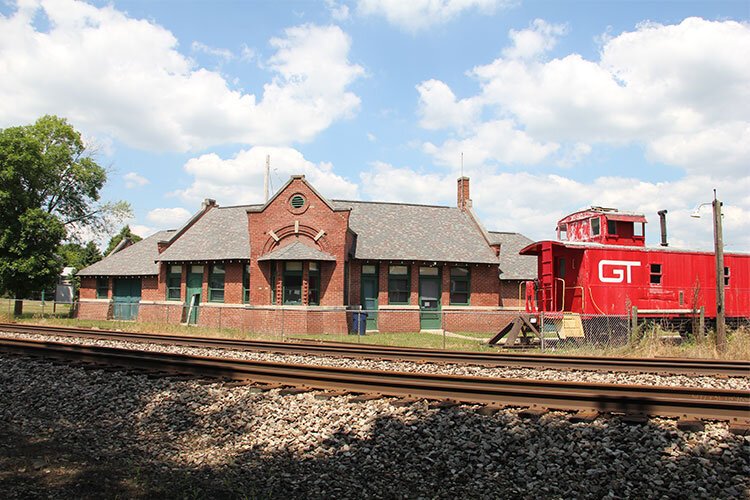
column 193, row 290
column 126, row 295
column 370, row 300
column 429, row 302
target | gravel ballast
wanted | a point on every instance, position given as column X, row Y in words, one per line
column 736, row 383
column 72, row 432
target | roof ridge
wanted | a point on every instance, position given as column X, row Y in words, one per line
column 245, row 205
column 393, row 203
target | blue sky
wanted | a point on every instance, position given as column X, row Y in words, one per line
column 555, row 105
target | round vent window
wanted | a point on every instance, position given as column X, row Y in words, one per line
column 297, row 201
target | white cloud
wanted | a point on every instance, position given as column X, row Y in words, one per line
column 682, row 91
column 438, row 107
column 247, row 54
column 541, row 37
column 168, row 218
column 133, row 180
column 222, row 54
column 384, row 182
column 371, row 137
column 111, row 74
column 533, row 203
column 495, row 141
column 140, row 230
column 339, row 11
column 239, row 180
column 416, row 15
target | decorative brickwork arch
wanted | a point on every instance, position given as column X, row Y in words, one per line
column 285, row 232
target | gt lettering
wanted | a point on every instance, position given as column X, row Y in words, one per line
column 617, row 270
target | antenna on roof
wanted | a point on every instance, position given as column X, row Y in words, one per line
column 266, row 179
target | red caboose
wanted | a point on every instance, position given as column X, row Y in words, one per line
column 600, row 266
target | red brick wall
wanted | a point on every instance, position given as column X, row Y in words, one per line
column 150, row 289
column 279, row 217
column 479, row 321
column 355, row 283
column 88, row 288
column 509, row 293
column 233, row 283
column 485, row 286
column 93, row 310
column 398, row 320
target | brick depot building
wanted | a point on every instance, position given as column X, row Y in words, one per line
column 304, row 261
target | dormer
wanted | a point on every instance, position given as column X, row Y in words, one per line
column 607, row 226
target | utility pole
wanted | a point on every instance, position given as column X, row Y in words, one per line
column 266, row 178
column 721, row 333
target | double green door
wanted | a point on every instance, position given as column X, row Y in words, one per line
column 126, row 295
column 370, row 300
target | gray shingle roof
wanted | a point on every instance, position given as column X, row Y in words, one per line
column 399, row 231
column 135, row 260
column 297, row 251
column 221, row 234
column 512, row 265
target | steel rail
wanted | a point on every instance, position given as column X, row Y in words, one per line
column 719, row 404
column 683, row 366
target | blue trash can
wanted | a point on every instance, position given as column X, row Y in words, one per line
column 359, row 323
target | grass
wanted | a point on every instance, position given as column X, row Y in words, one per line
column 421, row 340
column 34, row 308
column 656, row 344
column 144, row 327
column 653, row 342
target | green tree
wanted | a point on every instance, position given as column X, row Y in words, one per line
column 90, row 255
column 78, row 256
column 125, row 232
column 74, row 254
column 49, row 189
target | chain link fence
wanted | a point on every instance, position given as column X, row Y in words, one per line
column 451, row 327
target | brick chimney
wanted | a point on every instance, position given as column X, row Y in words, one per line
column 462, row 195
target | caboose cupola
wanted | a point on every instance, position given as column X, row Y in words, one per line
column 607, row 226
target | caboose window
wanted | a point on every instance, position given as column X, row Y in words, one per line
column 611, row 227
column 638, row 229
column 656, row 274
column 595, row 229
column 726, row 276
column 563, row 232
column 560, row 267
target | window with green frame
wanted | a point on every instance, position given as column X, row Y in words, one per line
column 102, row 288
column 174, row 279
column 460, row 289
column 216, row 277
column 398, row 285
column 246, row 283
column 313, row 284
column 292, row 281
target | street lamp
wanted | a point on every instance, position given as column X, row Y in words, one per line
column 721, row 335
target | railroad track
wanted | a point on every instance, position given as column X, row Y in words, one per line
column 681, row 366
column 695, row 403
